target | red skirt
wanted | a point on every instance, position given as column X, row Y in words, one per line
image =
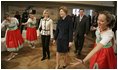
column 31, row 34
column 105, row 59
column 14, row 40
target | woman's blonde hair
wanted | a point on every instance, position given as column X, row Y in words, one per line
column 46, row 10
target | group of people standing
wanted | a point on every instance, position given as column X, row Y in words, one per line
column 63, row 37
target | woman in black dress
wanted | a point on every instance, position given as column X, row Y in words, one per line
column 63, row 35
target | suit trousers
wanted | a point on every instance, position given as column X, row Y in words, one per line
column 45, row 45
column 79, row 41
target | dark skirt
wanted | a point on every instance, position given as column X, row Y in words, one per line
column 62, row 46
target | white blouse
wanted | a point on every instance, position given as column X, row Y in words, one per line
column 31, row 22
column 47, row 27
column 10, row 24
column 104, row 37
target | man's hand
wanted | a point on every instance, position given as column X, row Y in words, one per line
column 23, row 24
column 70, row 44
column 85, row 35
column 53, row 41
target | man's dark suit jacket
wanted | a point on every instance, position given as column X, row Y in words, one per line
column 81, row 27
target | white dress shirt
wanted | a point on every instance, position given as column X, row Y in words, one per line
column 80, row 18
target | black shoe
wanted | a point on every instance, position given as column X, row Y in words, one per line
column 75, row 51
column 79, row 53
column 48, row 57
column 64, row 66
column 43, row 59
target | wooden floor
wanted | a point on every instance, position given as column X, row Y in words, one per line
column 31, row 58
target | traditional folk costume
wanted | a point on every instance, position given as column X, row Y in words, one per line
column 105, row 58
column 31, row 34
column 14, row 40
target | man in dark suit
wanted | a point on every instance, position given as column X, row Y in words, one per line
column 94, row 23
column 17, row 15
column 24, row 19
column 81, row 28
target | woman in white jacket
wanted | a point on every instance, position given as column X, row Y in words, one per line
column 46, row 26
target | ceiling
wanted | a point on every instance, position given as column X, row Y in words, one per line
column 99, row 3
